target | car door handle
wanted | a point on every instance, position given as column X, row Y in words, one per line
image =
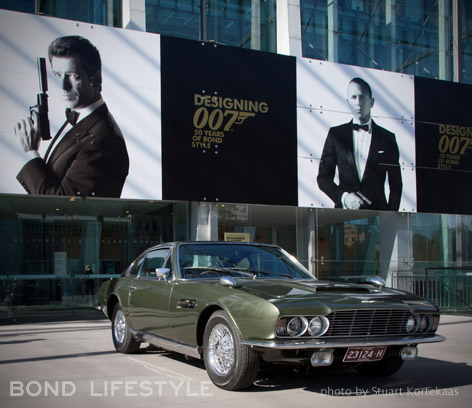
column 131, row 288
column 186, row 304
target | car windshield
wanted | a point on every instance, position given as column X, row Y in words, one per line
column 248, row 261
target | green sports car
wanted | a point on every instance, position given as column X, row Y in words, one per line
column 237, row 304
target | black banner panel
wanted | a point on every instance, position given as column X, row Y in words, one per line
column 443, row 146
column 229, row 129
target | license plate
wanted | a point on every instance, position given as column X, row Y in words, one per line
column 359, row 354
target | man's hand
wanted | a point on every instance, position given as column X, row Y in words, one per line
column 352, row 201
column 27, row 133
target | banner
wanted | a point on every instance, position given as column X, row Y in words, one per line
column 384, row 179
column 93, row 160
column 171, row 119
column 443, row 146
column 228, row 124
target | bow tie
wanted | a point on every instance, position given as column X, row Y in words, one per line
column 365, row 128
column 72, row 116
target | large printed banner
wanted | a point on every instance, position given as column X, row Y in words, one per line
column 91, row 160
column 379, row 174
column 443, row 146
column 228, row 124
column 170, row 119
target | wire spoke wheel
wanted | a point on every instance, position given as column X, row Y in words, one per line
column 119, row 326
column 123, row 339
column 221, row 349
column 230, row 364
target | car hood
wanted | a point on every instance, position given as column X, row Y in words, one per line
column 328, row 296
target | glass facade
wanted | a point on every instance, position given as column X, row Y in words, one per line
column 103, row 12
column 414, row 37
column 55, row 251
column 465, row 21
column 349, row 243
column 238, row 23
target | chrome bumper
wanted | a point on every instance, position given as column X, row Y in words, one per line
column 341, row 343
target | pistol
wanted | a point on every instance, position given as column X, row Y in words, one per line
column 364, row 198
column 42, row 101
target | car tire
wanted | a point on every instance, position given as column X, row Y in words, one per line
column 230, row 365
column 382, row 368
column 123, row 339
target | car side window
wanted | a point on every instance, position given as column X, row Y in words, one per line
column 135, row 266
column 154, row 259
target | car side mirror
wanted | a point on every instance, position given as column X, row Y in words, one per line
column 163, row 273
column 377, row 282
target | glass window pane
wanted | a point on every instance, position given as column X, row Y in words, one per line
column 409, row 36
column 239, row 23
column 466, row 41
column 347, row 247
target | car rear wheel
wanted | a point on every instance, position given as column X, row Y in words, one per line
column 382, row 368
column 230, row 365
column 123, row 339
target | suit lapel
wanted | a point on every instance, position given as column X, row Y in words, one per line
column 348, row 143
column 76, row 134
column 373, row 151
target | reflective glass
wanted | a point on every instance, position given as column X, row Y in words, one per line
column 103, row 12
column 466, row 41
column 239, row 23
column 413, row 37
column 54, row 252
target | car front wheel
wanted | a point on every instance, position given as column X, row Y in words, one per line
column 230, row 365
column 123, row 339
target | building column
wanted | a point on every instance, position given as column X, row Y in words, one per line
column 391, row 26
column 444, row 39
column 396, row 242
column 312, row 249
column 457, row 40
column 333, row 31
column 204, row 221
column 289, row 29
column 134, row 14
column 256, row 24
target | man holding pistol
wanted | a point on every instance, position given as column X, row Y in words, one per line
column 88, row 155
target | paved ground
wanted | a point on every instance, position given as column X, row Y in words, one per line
column 73, row 363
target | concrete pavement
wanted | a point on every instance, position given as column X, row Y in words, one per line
column 73, row 363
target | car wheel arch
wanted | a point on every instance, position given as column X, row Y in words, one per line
column 203, row 320
column 111, row 303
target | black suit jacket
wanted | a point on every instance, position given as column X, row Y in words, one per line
column 382, row 160
column 90, row 160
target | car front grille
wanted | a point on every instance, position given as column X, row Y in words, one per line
column 375, row 322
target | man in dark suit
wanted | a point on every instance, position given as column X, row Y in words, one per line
column 364, row 154
column 90, row 156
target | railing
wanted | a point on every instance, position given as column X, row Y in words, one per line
column 449, row 288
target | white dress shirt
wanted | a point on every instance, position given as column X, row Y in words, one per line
column 361, row 143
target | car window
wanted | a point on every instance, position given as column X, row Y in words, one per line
column 213, row 260
column 153, row 260
column 135, row 266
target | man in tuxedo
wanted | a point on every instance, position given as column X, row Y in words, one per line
column 88, row 155
column 364, row 154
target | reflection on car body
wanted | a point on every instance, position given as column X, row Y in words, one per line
column 237, row 304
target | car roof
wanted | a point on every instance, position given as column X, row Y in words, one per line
column 178, row 243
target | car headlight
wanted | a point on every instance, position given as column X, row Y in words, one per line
column 426, row 323
column 297, row 326
column 412, row 324
column 318, row 326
